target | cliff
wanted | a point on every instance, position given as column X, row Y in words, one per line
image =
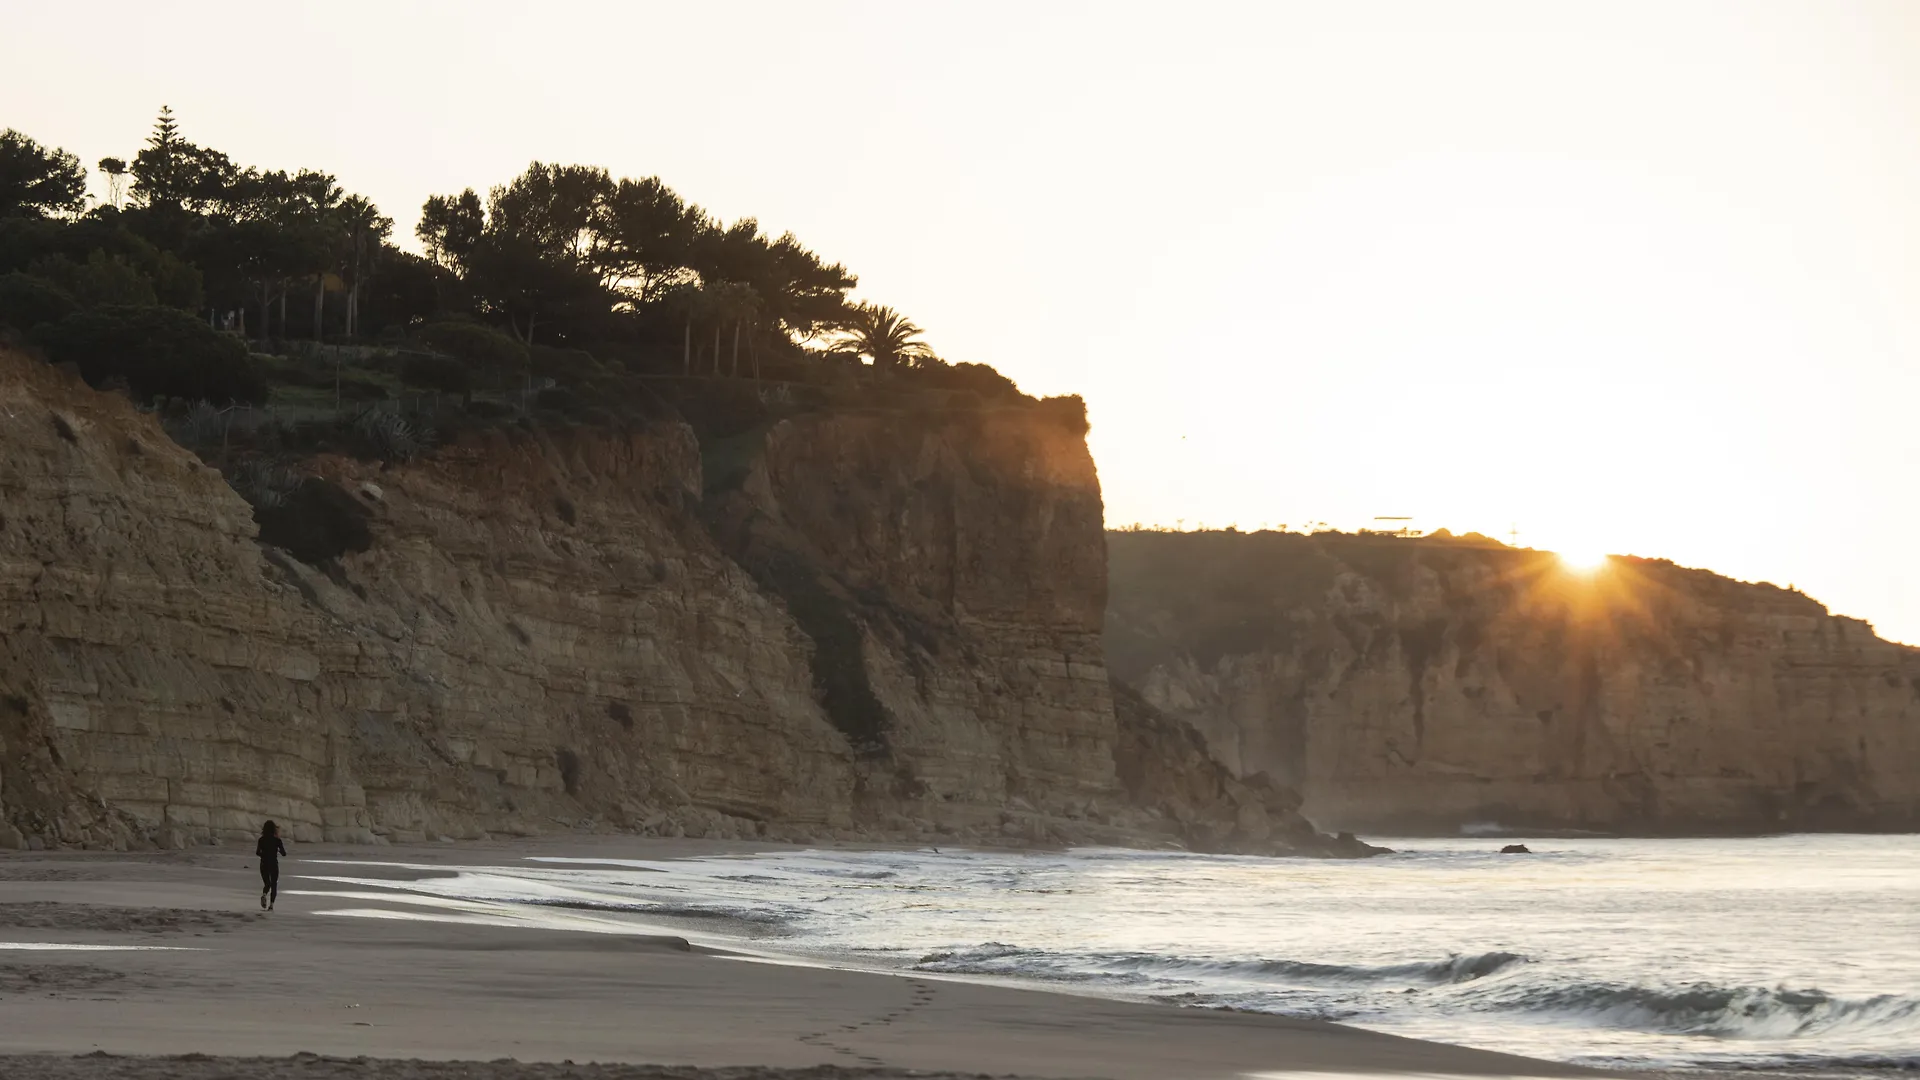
column 1429, row 684
column 847, row 626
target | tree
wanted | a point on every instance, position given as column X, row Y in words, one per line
column 116, row 173
column 101, row 279
column 805, row 293
column 647, row 237
column 554, row 209
column 515, row 281
column 451, row 227
column 687, row 303
column 733, row 305
column 172, row 174
column 364, row 231
column 37, row 181
column 531, row 257
column 886, row 336
column 313, row 208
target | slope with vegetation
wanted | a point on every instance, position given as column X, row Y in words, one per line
column 600, row 515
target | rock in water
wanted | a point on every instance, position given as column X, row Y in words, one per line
column 1515, row 849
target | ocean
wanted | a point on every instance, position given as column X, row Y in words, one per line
column 1794, row 951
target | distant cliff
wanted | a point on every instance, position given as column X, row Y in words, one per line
column 875, row 625
column 1429, row 684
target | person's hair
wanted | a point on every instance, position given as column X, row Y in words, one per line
column 269, row 829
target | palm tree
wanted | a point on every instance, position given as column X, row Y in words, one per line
column 737, row 304
column 889, row 338
column 365, row 229
column 315, row 206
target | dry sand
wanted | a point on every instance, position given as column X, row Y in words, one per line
column 239, row 992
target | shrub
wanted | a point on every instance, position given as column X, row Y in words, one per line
column 159, row 351
column 314, row 522
column 480, row 346
column 391, row 437
column 102, row 279
column 974, row 378
column 568, row 367
column 26, row 301
column 721, row 410
column 356, row 389
column 442, row 373
column 1069, row 411
column 558, row 398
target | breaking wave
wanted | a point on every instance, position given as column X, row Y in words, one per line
column 1724, row 1012
column 998, row 958
column 1465, row 984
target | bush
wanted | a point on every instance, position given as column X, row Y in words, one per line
column 480, row 346
column 27, row 301
column 442, row 373
column 558, row 398
column 978, row 379
column 390, row 437
column 1069, row 411
column 159, row 351
column 314, row 522
column 102, row 279
column 568, row 367
column 360, row 390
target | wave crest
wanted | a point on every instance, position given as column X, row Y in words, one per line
column 1727, row 1012
column 1000, row 958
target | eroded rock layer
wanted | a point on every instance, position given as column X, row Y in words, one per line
column 876, row 625
column 1432, row 684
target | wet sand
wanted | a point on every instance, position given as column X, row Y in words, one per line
column 219, row 980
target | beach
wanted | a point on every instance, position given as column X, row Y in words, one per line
column 177, row 972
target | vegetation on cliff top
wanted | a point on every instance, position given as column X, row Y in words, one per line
column 565, row 295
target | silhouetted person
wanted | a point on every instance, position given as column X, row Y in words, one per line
column 269, row 849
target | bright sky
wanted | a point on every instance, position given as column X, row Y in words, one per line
column 1631, row 276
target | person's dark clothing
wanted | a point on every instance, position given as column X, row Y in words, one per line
column 269, row 849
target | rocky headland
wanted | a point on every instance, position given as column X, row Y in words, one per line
column 883, row 624
column 1404, row 684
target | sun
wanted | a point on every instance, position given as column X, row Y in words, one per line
column 1582, row 560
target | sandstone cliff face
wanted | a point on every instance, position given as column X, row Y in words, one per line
column 539, row 635
column 1419, row 685
column 838, row 626
column 953, row 572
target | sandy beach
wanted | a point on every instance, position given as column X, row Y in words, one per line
column 214, row 979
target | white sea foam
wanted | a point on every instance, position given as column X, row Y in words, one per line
column 1652, row 953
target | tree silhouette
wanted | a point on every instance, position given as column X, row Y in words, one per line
column 364, row 231
column 116, row 172
column 884, row 335
column 37, row 181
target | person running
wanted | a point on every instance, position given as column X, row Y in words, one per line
column 269, row 849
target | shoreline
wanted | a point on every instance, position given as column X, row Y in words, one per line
column 235, row 982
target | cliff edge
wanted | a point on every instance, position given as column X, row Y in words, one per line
column 1430, row 684
column 851, row 626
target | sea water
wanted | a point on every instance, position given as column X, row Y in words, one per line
column 1788, row 951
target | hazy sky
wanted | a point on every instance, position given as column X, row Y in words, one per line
column 1632, row 276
